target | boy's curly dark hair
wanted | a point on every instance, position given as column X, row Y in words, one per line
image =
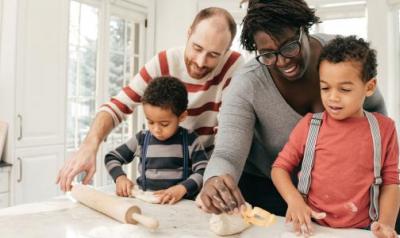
column 168, row 93
column 351, row 48
column 273, row 16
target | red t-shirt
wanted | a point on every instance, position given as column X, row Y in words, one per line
column 343, row 166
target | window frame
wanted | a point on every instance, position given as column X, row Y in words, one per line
column 325, row 11
column 94, row 4
column 394, row 61
column 134, row 10
column 1, row 21
column 135, row 118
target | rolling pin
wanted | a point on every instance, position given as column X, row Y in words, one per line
column 112, row 206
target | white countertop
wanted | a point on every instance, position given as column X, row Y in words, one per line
column 62, row 217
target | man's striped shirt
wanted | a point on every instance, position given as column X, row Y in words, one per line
column 204, row 95
column 164, row 161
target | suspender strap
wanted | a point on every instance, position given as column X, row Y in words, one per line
column 185, row 149
column 374, row 190
column 144, row 158
column 185, row 152
column 308, row 158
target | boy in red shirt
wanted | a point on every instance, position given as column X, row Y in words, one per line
column 346, row 145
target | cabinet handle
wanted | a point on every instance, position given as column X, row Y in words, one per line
column 20, row 127
column 20, row 170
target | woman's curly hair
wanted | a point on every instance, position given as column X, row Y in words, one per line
column 272, row 16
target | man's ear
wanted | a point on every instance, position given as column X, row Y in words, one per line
column 370, row 87
column 183, row 116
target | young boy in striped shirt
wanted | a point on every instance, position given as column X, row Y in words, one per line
column 172, row 160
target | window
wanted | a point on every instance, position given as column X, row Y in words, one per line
column 341, row 17
column 123, row 64
column 123, row 61
column 106, row 49
column 82, row 71
column 236, row 45
column 345, row 27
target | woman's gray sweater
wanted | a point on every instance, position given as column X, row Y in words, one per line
column 255, row 122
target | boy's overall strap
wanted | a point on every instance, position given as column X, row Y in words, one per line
column 185, row 148
column 144, row 154
column 374, row 190
column 308, row 158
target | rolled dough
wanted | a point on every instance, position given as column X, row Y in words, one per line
column 147, row 196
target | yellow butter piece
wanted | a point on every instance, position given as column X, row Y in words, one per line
column 258, row 216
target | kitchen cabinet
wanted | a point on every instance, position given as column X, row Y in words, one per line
column 41, row 73
column 37, row 172
column 4, row 184
column 33, row 72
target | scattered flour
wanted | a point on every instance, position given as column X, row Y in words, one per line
column 39, row 207
column 120, row 231
column 351, row 206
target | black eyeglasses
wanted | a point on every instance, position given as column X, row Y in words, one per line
column 289, row 50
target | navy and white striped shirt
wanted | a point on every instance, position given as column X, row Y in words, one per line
column 164, row 166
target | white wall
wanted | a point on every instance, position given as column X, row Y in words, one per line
column 1, row 17
column 7, row 66
column 384, row 37
column 378, row 31
column 173, row 18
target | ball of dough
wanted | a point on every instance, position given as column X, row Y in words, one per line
column 225, row 224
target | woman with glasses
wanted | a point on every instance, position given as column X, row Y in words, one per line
column 265, row 101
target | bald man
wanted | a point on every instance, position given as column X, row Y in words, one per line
column 205, row 65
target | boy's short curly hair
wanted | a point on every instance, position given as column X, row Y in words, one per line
column 351, row 48
column 168, row 93
column 273, row 16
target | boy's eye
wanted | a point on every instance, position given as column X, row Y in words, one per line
column 346, row 90
column 164, row 124
column 324, row 88
column 150, row 122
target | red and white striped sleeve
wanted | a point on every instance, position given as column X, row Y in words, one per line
column 125, row 102
column 236, row 60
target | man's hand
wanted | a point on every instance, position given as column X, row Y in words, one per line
column 124, row 186
column 171, row 195
column 381, row 230
column 84, row 160
column 221, row 194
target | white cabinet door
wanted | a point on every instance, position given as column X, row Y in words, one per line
column 41, row 72
column 35, row 173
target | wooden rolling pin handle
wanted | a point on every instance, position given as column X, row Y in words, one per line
column 149, row 222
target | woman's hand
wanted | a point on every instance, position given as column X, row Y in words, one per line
column 221, row 194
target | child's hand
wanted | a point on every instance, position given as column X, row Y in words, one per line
column 381, row 230
column 124, row 186
column 299, row 213
column 171, row 195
